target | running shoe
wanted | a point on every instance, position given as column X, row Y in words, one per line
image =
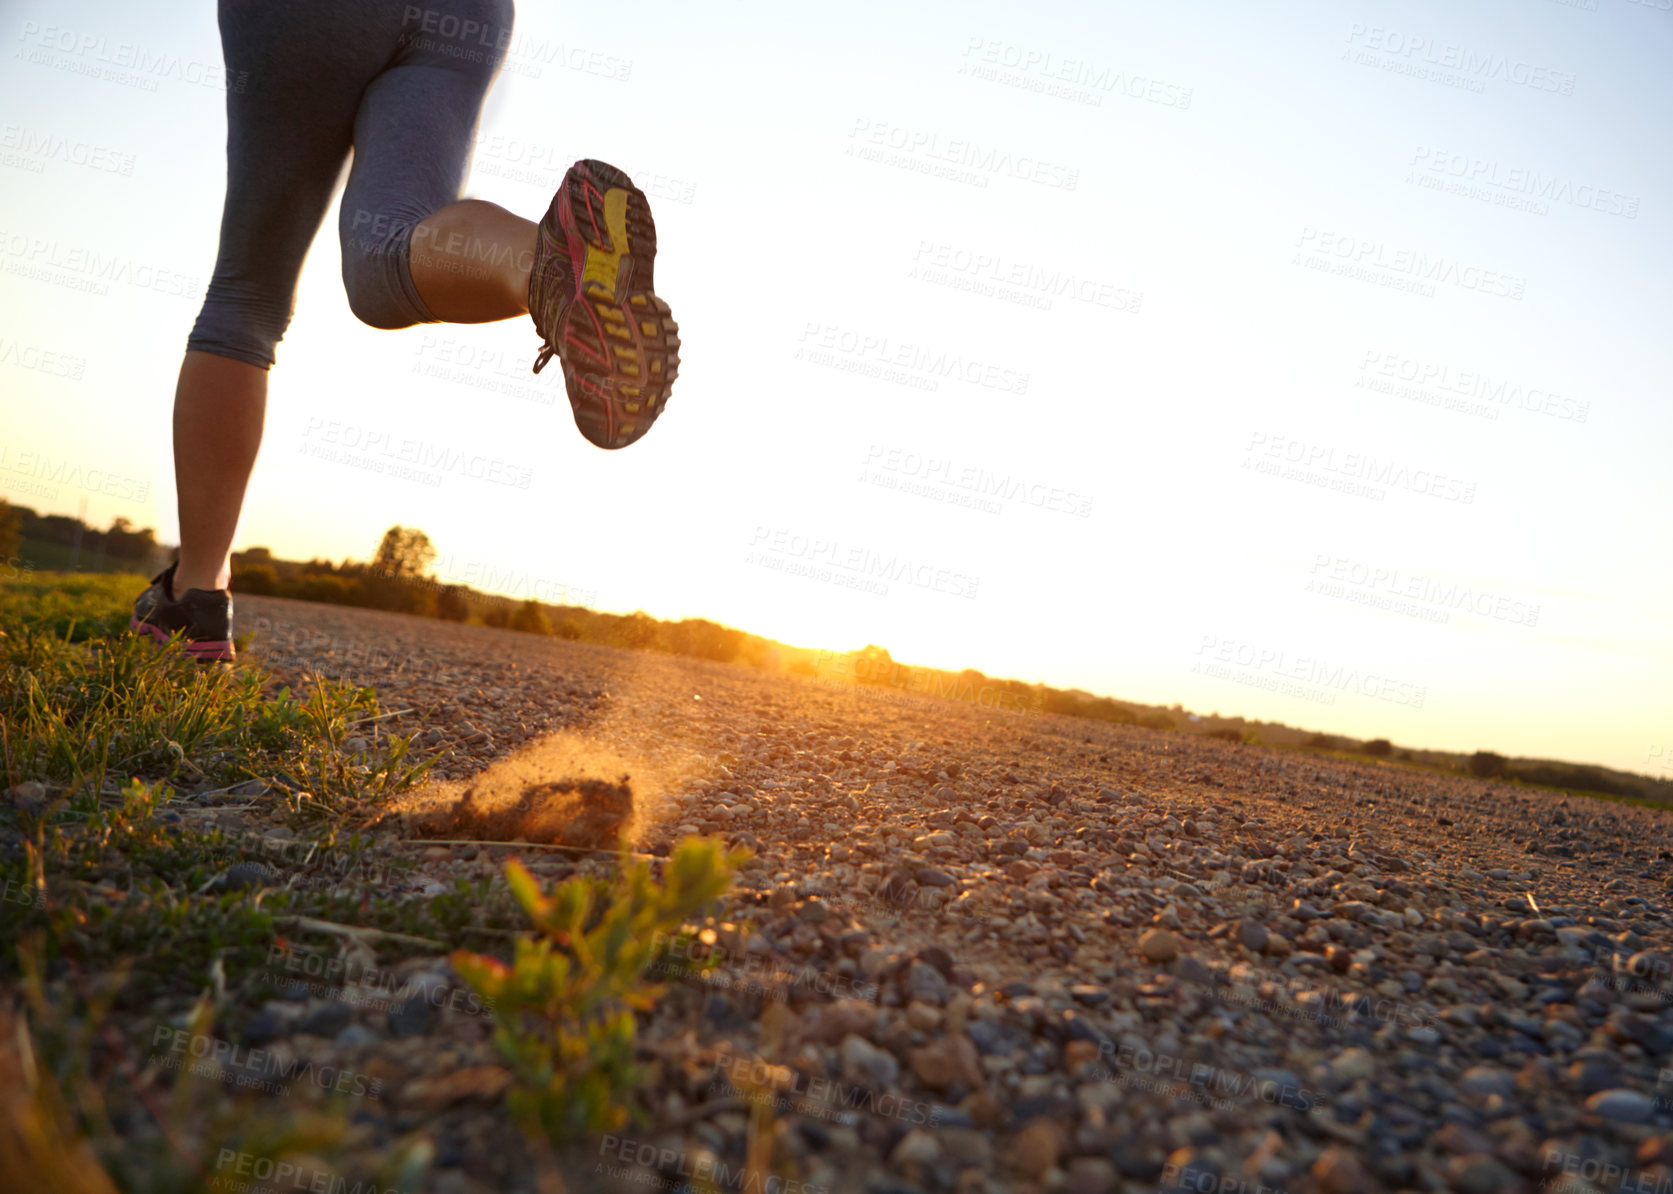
column 591, row 301
column 202, row 616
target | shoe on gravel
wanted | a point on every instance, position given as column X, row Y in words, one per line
column 202, row 616
column 591, row 300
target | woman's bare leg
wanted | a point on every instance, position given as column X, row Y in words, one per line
column 470, row 261
column 219, row 406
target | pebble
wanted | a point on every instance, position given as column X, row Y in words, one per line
column 1622, row 1105
column 1252, row 935
column 1036, row 1148
column 1353, row 1064
column 1158, row 945
column 864, row 1062
column 241, row 876
column 1482, row 1173
column 917, row 1147
column 924, row 982
column 328, row 1017
column 414, row 1016
column 355, row 1036
column 1487, row 1080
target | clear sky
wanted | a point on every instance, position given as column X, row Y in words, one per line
column 1302, row 361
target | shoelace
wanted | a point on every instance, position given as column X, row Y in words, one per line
column 544, row 355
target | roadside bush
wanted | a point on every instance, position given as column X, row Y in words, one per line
column 1378, row 748
column 257, row 578
column 1484, row 764
column 531, row 619
column 564, row 1007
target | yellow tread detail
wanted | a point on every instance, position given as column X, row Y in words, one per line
column 603, row 265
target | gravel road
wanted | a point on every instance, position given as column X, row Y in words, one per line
column 1017, row 951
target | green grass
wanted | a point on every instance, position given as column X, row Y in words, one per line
column 110, row 898
column 115, row 918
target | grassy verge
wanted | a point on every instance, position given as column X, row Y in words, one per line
column 138, row 905
column 120, row 924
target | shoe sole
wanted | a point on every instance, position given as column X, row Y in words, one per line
column 618, row 341
column 205, row 651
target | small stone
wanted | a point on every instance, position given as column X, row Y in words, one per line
column 924, row 982
column 947, row 1062
column 938, row 957
column 1482, row 1173
column 923, row 1017
column 242, row 875
column 1089, row 1175
column 1338, row 1171
column 263, row 1028
column 355, row 746
column 931, row 877
column 355, row 1036
column 966, row 1147
column 1484, row 1080
column 1078, row 1053
column 328, row 1018
column 1090, row 994
column 1191, row 969
column 1252, row 935
column 917, row 1147
column 864, row 1062
column 1353, row 1064
column 415, row 1016
column 1158, row 945
column 29, row 796
column 1035, row 1149
column 1622, row 1105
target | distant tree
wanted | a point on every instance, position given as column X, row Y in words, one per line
column 256, row 578
column 122, row 542
column 498, row 614
column 874, row 665
column 1157, row 721
column 638, row 630
column 1379, row 748
column 1484, row 764
column 702, row 638
column 11, row 530
column 531, row 619
column 451, row 604
column 570, row 630
column 403, row 553
column 1322, row 740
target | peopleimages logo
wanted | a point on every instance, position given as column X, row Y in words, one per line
column 1215, row 654
column 1472, row 64
column 1381, row 579
column 1357, row 467
column 984, row 161
column 1375, row 260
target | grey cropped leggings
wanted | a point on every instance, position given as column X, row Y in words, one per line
column 399, row 84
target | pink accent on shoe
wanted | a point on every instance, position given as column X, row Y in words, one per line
column 206, row 649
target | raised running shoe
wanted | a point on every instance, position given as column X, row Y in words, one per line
column 591, row 300
column 202, row 616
